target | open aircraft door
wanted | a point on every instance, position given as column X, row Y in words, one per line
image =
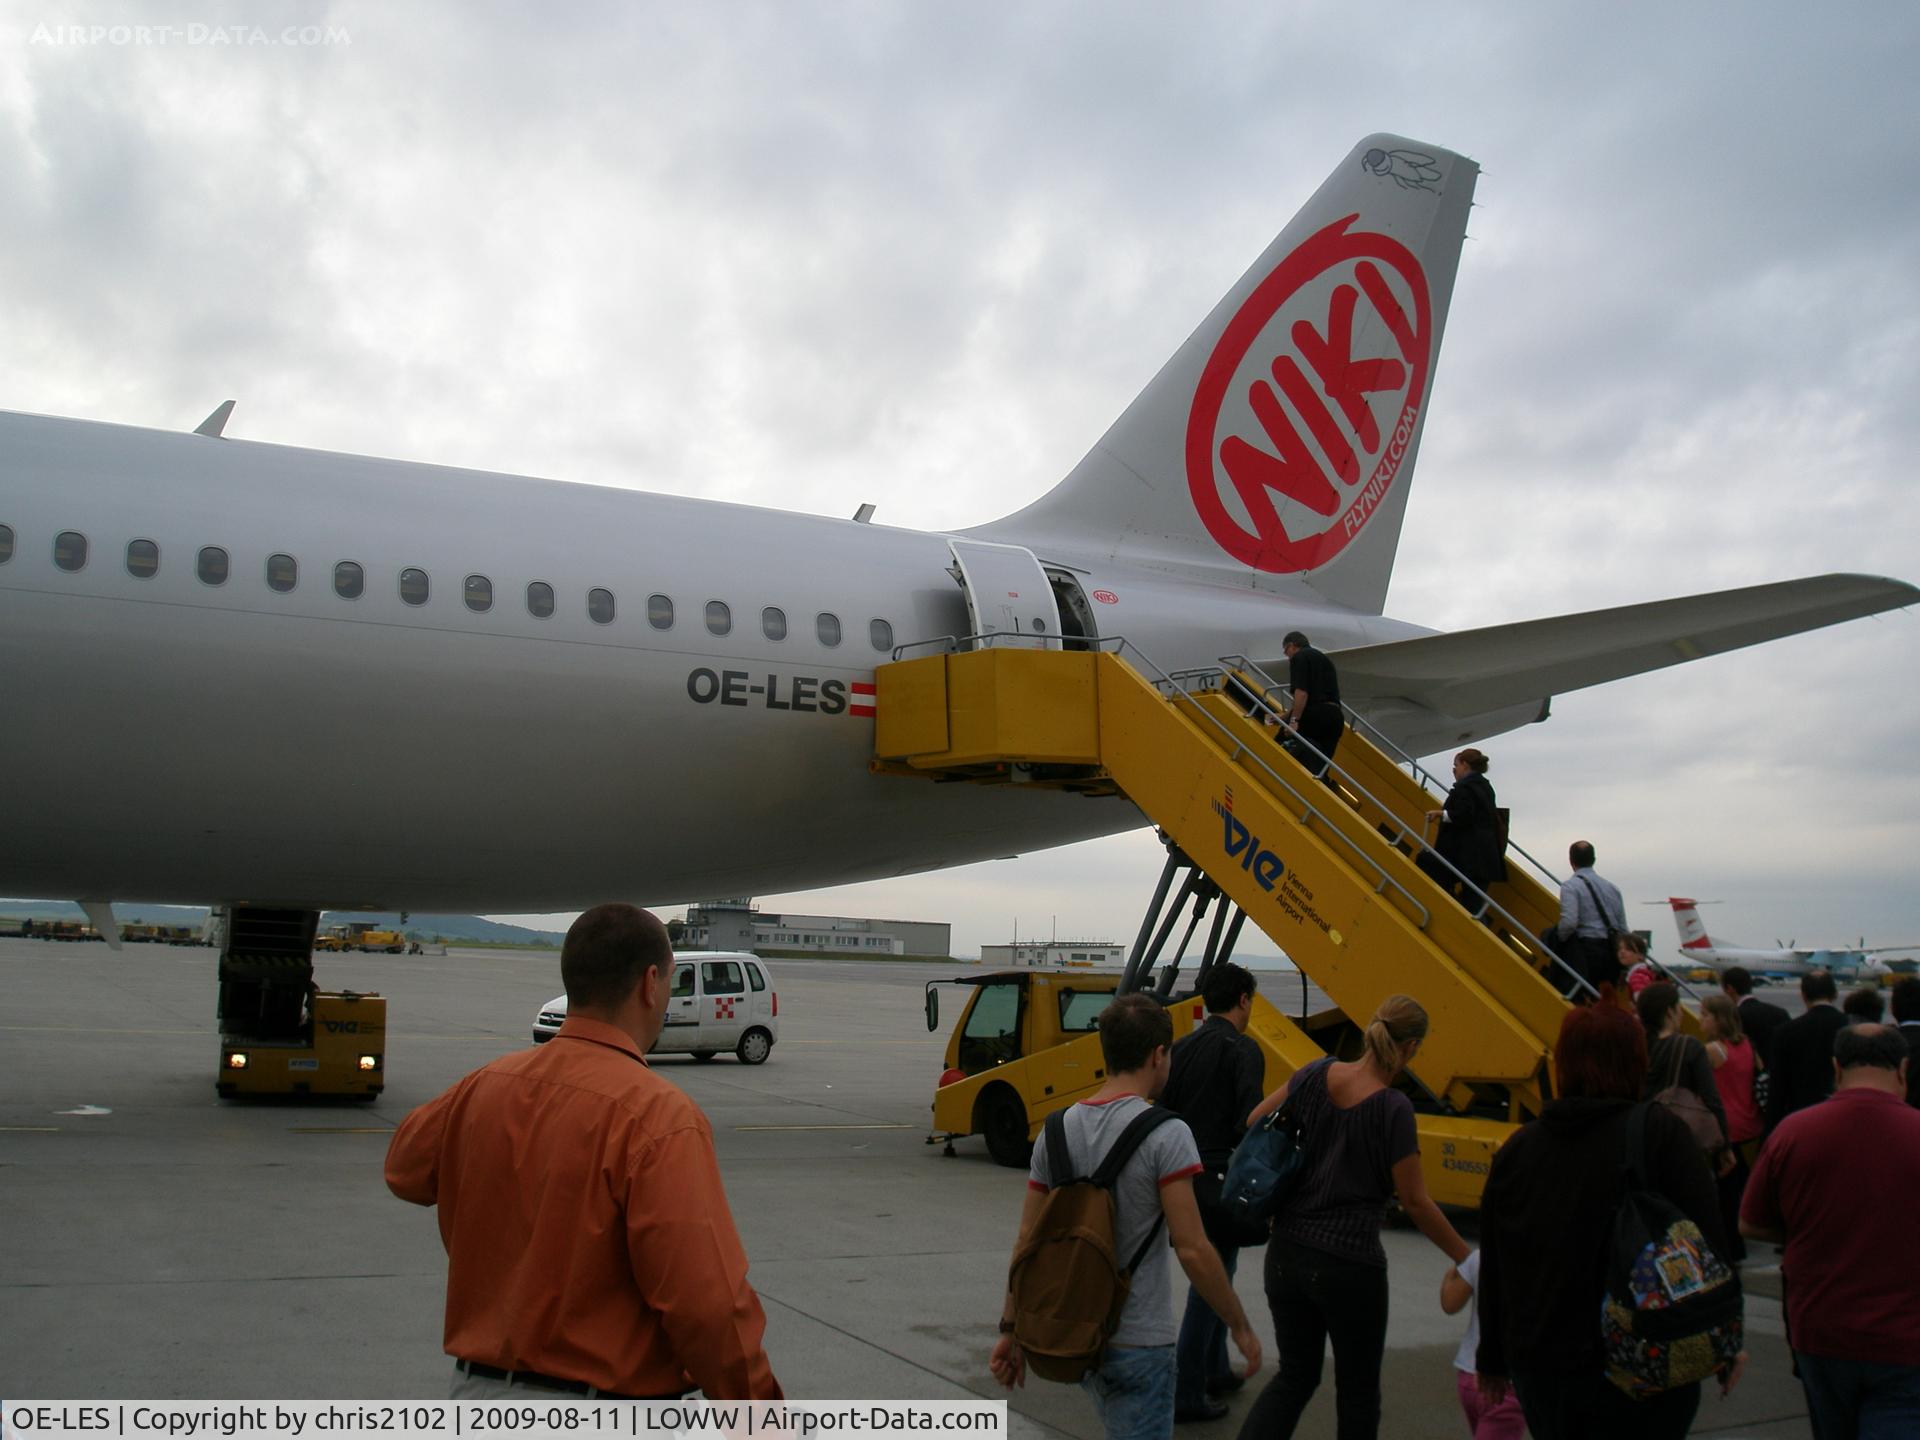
column 1008, row 595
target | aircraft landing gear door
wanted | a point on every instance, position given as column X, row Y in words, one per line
column 1008, row 595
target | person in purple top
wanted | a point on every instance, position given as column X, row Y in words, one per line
column 1326, row 1273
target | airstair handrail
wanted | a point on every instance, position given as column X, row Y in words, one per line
column 1421, row 776
column 1176, row 689
column 1228, row 663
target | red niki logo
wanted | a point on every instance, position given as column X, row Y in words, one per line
column 1280, row 337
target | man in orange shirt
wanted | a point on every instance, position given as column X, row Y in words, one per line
column 589, row 1245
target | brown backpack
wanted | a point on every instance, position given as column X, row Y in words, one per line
column 1067, row 1281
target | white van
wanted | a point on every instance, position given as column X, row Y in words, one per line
column 719, row 1000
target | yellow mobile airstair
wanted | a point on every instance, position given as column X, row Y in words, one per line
column 1325, row 866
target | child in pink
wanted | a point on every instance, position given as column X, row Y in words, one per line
column 1504, row 1421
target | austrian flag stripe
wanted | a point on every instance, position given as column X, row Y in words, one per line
column 863, row 699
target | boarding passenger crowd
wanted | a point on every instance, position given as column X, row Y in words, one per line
column 591, row 1250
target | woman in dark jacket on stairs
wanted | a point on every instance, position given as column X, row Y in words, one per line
column 1469, row 837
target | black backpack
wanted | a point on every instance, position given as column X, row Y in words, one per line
column 1672, row 1310
column 1067, row 1282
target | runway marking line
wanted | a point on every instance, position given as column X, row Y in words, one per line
column 29, row 1129
column 341, row 1129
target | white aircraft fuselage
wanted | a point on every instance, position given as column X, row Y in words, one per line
column 175, row 740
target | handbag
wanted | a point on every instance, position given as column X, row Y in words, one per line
column 1226, row 1230
column 1690, row 1108
column 1266, row 1168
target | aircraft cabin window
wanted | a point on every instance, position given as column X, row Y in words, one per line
column 827, row 627
column 719, row 617
column 478, row 593
column 414, row 587
column 283, row 573
column 143, row 559
column 881, row 634
column 773, row 623
column 349, row 580
column 600, row 606
column 6, row 543
column 70, row 550
column 212, row 566
column 660, row 612
column 540, row 600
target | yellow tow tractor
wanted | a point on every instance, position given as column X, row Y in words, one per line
column 1027, row 1044
column 360, row 935
column 280, row 1034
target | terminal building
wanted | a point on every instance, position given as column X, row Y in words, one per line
column 735, row 924
column 1055, row 954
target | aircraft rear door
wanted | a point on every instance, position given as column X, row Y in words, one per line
column 1008, row 595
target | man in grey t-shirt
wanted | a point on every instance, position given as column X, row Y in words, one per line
column 1133, row 1386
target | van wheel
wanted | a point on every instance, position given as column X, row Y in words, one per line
column 754, row 1046
column 701, row 1054
column 1003, row 1120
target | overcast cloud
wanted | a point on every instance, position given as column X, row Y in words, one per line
column 807, row 256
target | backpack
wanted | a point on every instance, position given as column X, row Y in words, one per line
column 1671, row 1314
column 1067, row 1281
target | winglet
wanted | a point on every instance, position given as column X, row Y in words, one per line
column 216, row 422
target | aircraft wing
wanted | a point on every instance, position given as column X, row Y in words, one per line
column 1471, row 672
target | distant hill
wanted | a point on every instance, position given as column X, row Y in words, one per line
column 137, row 914
column 424, row 927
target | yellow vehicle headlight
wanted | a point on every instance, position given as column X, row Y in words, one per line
column 237, row 1060
column 369, row 1062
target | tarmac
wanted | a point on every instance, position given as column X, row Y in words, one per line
column 156, row 1243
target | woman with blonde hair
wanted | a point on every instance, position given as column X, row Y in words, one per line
column 1326, row 1273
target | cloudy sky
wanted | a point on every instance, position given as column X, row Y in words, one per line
column 810, row 255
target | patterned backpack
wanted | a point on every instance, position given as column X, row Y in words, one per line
column 1671, row 1314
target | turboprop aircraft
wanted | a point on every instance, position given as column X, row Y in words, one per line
column 262, row 676
column 1842, row 962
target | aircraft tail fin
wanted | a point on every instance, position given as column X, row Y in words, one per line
column 1693, row 930
column 1277, row 445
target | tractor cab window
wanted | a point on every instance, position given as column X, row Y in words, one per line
column 1080, row 1009
column 992, row 1033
